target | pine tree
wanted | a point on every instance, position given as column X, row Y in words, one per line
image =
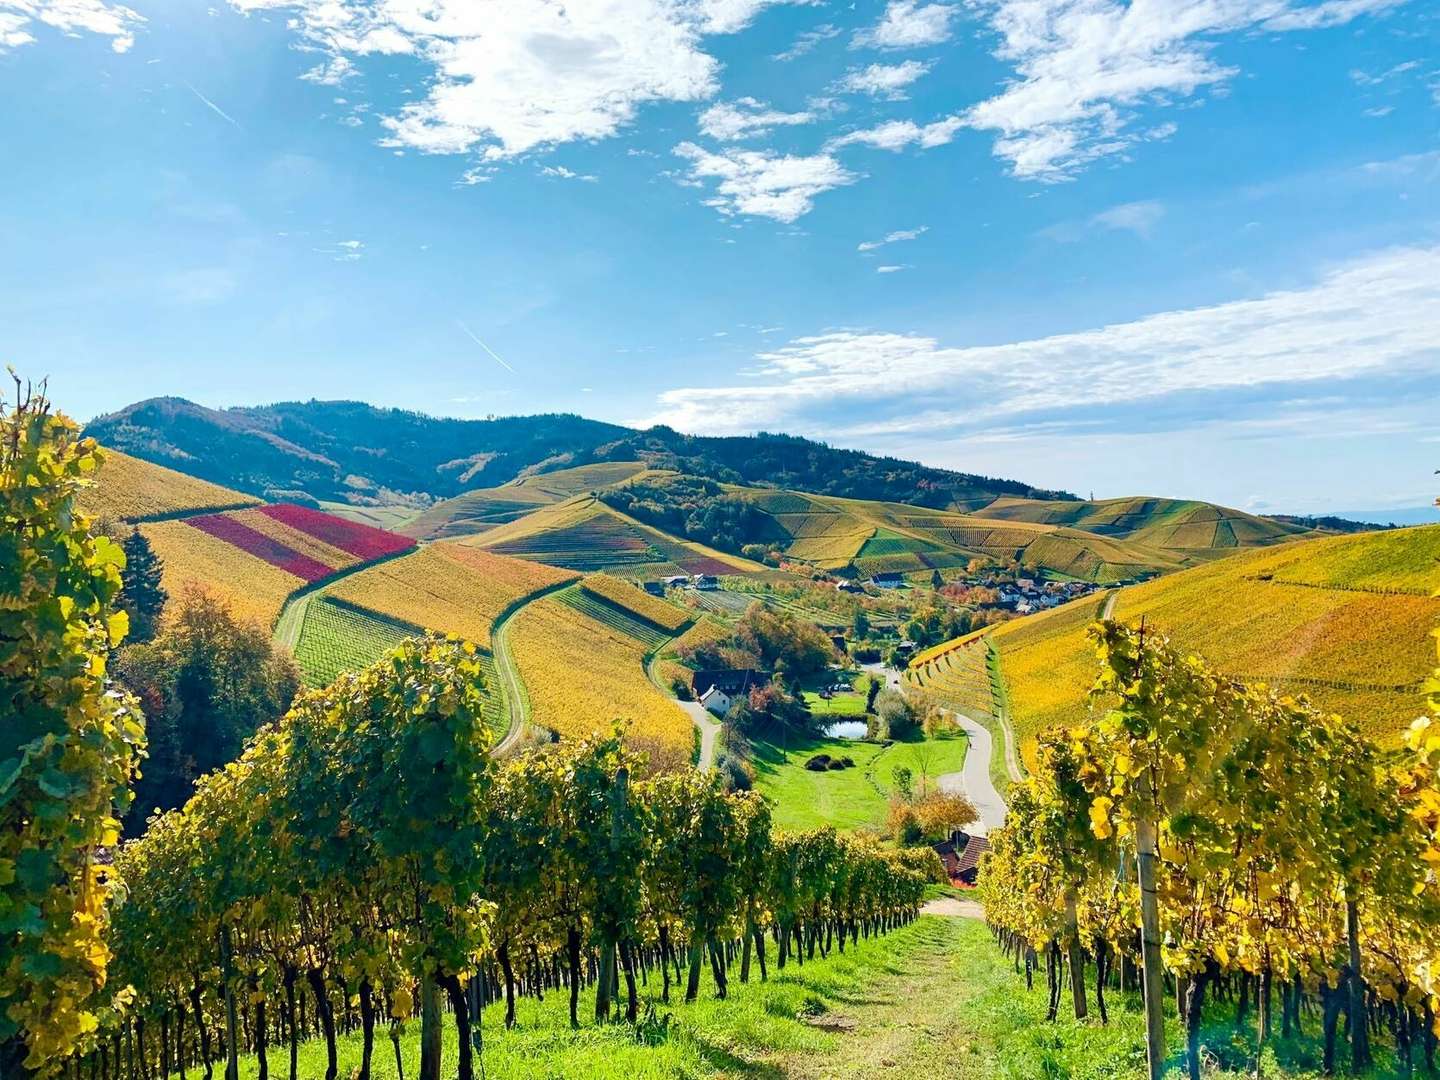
column 142, row 595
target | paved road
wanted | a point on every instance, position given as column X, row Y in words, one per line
column 973, row 781
column 709, row 730
column 889, row 674
column 1108, row 611
column 513, row 688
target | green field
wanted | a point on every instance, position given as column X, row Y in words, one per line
column 336, row 638
column 845, row 798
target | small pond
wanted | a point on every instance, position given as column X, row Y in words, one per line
column 846, row 729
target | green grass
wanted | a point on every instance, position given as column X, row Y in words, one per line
column 840, row 705
column 930, row 1000
column 845, row 798
column 757, row 1032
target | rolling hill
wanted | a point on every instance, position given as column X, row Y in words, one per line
column 486, row 508
column 354, row 453
column 1345, row 620
column 1122, row 540
column 584, row 533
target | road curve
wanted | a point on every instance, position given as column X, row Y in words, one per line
column 973, row 780
column 706, row 724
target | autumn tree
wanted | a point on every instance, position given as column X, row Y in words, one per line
column 68, row 745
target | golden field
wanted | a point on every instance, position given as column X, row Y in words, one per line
column 129, row 489
column 1346, row 621
column 252, row 587
column 580, row 676
column 446, row 587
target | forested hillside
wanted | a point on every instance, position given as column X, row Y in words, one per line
column 352, row 452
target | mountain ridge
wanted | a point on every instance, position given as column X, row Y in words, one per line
column 353, row 452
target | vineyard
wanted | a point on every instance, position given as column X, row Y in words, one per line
column 641, row 604
column 253, row 588
column 555, row 872
column 612, row 616
column 1295, row 616
column 704, row 631
column 132, row 490
column 448, row 587
column 1265, row 850
column 336, row 637
column 582, row 674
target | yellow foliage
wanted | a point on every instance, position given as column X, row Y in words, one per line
column 447, row 587
column 129, row 488
column 580, row 676
column 634, row 599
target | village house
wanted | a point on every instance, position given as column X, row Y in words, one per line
column 888, row 580
column 716, row 701
column 655, row 588
column 706, row 582
column 961, row 856
column 733, row 682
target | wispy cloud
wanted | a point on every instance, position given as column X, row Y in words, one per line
column 1139, row 218
column 894, row 268
column 560, row 172
column 886, row 81
column 806, row 42
column 1086, row 68
column 907, row 24
column 746, row 117
column 1376, row 315
column 507, row 79
column 896, row 237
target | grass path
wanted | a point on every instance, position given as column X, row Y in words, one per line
column 511, row 685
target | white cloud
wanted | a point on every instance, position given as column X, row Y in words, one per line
column 70, row 17
column 883, row 80
column 1376, row 315
column 806, row 42
column 509, row 78
column 893, row 269
column 907, row 24
column 1084, row 68
column 898, row 236
column 764, row 183
column 896, row 135
column 745, row 118
column 560, row 172
column 1137, row 217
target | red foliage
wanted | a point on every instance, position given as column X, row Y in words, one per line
column 365, row 542
column 261, row 546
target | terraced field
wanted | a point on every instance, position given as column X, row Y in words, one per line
column 635, row 601
column 191, row 558
column 1346, row 621
column 129, row 489
column 1163, row 523
column 487, row 508
column 584, row 534
column 336, row 637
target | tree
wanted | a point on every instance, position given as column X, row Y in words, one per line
column 937, row 580
column 69, row 746
column 860, row 625
column 207, row 683
column 896, row 713
column 904, row 781
column 940, row 813
column 142, row 596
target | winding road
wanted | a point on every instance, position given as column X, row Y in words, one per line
column 973, row 780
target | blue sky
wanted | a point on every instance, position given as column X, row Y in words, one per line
column 1185, row 247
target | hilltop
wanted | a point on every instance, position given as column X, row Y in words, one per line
column 354, row 453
